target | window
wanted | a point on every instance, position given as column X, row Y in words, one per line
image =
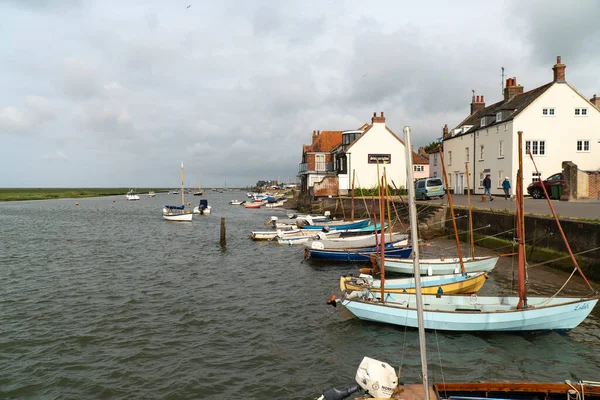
column 581, row 112
column 498, row 117
column 320, row 162
column 449, row 158
column 548, row 112
column 505, row 127
column 500, row 178
column 536, row 177
column 501, row 149
column 435, row 159
column 482, row 121
column 435, row 174
column 481, row 178
column 418, row 168
column 466, row 154
column 420, row 184
column 583, row 146
column 535, row 147
column 481, row 153
column 450, row 180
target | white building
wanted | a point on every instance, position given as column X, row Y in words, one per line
column 366, row 150
column 558, row 124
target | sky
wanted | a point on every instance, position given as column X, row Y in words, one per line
column 118, row 93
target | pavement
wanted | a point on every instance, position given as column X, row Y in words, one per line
column 589, row 209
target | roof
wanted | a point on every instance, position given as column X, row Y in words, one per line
column 515, row 105
column 324, row 142
column 419, row 159
column 366, row 128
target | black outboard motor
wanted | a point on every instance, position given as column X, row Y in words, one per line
column 339, row 394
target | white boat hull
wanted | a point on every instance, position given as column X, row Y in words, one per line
column 440, row 266
column 178, row 217
column 131, row 197
column 476, row 313
column 206, row 211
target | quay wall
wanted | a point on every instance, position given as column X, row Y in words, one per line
column 493, row 229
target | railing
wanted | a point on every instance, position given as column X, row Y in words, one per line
column 322, row 167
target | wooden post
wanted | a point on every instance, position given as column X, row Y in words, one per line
column 223, row 241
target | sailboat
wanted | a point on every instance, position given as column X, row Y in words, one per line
column 379, row 379
column 481, row 313
column 199, row 192
column 178, row 213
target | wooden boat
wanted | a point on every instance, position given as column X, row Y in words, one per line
column 273, row 205
column 520, row 313
column 440, row 266
column 178, row 213
column 436, row 284
column 330, row 242
column 236, row 202
column 253, row 205
column 358, row 254
column 308, row 224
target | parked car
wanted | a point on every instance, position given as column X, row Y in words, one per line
column 535, row 188
column 427, row 188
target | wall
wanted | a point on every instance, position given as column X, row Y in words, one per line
column 560, row 131
column 377, row 140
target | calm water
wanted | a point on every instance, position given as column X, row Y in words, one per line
column 107, row 300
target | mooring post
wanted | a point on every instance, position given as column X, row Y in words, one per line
column 223, row 241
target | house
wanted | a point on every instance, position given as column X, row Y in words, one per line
column 353, row 154
column 435, row 164
column 558, row 124
column 420, row 164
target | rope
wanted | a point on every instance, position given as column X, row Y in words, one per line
column 440, row 357
column 561, row 288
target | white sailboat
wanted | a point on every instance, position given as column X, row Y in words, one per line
column 178, row 213
column 131, row 195
column 478, row 313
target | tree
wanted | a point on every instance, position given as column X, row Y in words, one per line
column 431, row 146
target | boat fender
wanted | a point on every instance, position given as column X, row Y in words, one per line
column 366, row 271
column 306, row 253
column 429, row 271
column 456, row 270
column 440, row 292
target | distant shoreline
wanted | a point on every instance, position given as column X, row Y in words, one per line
column 24, row 194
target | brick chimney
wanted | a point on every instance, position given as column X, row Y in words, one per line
column 314, row 134
column 512, row 89
column 445, row 132
column 595, row 101
column 422, row 151
column 559, row 70
column 477, row 103
column 377, row 119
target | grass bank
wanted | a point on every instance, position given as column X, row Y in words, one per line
column 21, row 194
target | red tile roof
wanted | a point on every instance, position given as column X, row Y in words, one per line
column 324, row 142
column 419, row 159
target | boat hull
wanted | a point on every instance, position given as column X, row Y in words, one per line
column 437, row 284
column 187, row 217
column 440, row 266
column 476, row 313
column 354, row 255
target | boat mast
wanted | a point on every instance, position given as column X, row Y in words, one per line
column 458, row 249
column 521, row 229
column 470, row 213
column 182, row 193
column 415, row 252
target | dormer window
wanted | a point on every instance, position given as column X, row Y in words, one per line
column 482, row 123
column 548, row 112
column 498, row 117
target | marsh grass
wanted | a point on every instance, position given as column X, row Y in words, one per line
column 21, row 194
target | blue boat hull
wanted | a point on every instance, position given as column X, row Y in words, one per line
column 356, row 254
column 349, row 225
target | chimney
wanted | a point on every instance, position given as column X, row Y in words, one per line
column 559, row 70
column 595, row 101
column 377, row 119
column 512, row 89
column 477, row 103
column 445, row 133
column 314, row 134
column 422, row 151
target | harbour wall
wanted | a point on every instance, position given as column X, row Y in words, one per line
column 494, row 229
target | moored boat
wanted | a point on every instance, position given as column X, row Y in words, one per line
column 440, row 266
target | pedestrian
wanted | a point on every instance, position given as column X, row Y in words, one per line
column 506, row 187
column 487, row 184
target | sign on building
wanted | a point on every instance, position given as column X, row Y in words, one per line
column 380, row 158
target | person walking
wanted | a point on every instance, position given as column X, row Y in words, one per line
column 506, row 187
column 487, row 185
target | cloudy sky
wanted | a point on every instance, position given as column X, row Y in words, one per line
column 117, row 93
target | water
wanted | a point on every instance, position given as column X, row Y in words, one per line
column 107, row 300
